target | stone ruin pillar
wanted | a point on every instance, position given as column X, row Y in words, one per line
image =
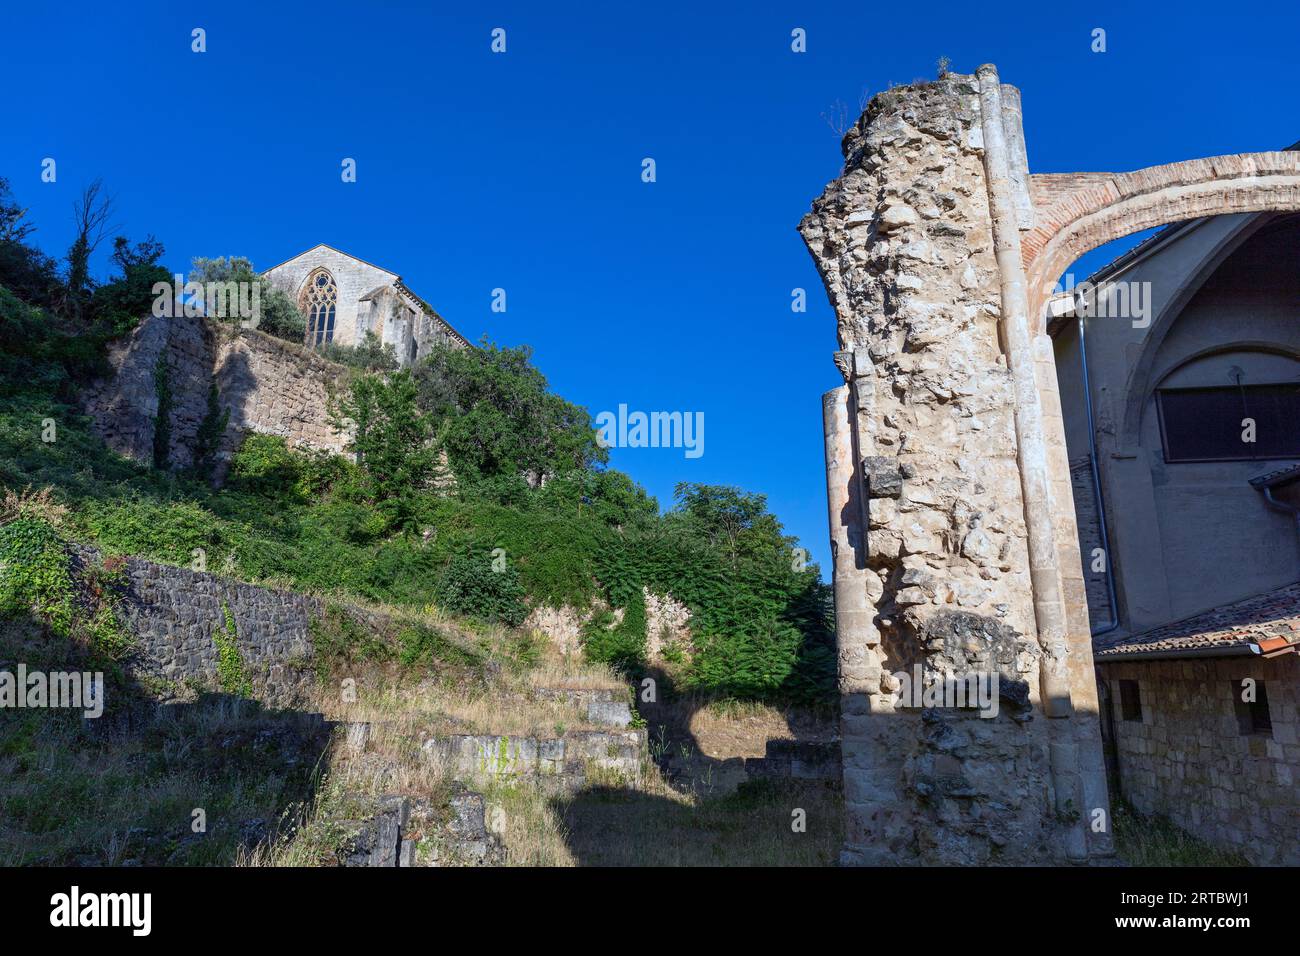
column 941, row 452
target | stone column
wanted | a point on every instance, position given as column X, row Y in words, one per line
column 854, row 630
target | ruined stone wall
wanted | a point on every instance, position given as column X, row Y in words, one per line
column 175, row 616
column 927, row 463
column 1189, row 759
column 264, row 384
column 667, row 623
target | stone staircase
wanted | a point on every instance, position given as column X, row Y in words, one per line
column 416, row 831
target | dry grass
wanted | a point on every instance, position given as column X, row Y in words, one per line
column 608, row 822
column 729, row 728
column 506, row 702
column 110, row 794
column 1144, row 840
column 278, row 793
column 32, row 504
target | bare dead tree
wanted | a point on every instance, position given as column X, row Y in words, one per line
column 92, row 212
column 838, row 117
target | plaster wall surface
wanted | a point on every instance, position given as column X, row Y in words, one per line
column 1188, row 536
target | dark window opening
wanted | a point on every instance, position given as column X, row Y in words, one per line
column 1210, row 424
column 319, row 302
column 1252, row 716
column 1130, row 700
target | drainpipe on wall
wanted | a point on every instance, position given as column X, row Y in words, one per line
column 1031, row 458
column 1282, row 506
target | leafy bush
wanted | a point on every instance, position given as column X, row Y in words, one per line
column 370, row 354
column 339, row 640
column 123, row 302
column 34, row 574
column 498, row 417
column 621, row 644
column 425, row 646
column 37, row 579
column 265, row 465
column 471, row 585
column 232, row 677
column 393, row 443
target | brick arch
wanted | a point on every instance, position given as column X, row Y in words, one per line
column 1102, row 207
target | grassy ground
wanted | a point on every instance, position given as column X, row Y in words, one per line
column 1143, row 840
column 216, row 779
column 181, row 785
column 608, row 823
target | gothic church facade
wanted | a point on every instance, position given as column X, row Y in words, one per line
column 343, row 298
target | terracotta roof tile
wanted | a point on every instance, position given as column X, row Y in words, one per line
column 1268, row 621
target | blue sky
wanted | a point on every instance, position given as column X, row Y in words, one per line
column 522, row 170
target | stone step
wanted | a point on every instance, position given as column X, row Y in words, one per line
column 559, row 763
column 413, row 831
column 797, row 759
column 794, row 760
column 607, row 707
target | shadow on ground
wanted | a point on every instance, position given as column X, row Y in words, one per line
column 704, row 811
column 194, row 782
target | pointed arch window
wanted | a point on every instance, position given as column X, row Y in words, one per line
column 320, row 303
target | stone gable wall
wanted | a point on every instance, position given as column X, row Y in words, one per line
column 353, row 277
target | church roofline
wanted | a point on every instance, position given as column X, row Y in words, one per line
column 325, row 245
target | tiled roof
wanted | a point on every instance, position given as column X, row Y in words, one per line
column 1268, row 621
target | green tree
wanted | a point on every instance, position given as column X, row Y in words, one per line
column 604, row 494
column 499, row 418
column 392, row 441
column 369, row 354
column 123, row 301
column 12, row 226
column 736, row 522
column 279, row 315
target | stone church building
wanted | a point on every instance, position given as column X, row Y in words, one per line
column 1182, row 419
column 343, row 297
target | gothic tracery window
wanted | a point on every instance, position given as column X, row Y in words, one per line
column 320, row 299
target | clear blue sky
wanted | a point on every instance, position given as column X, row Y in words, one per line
column 522, row 170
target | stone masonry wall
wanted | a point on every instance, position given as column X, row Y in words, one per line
column 904, row 242
column 176, row 614
column 264, row 384
column 1188, row 758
